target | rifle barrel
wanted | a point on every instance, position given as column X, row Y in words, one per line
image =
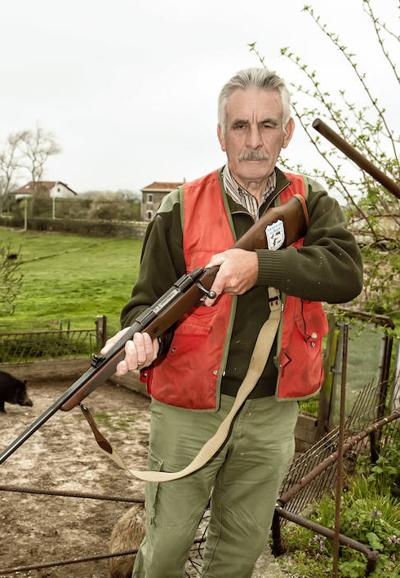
column 43, row 418
column 107, row 368
column 356, row 157
column 185, row 294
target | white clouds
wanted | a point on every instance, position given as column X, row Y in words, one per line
column 130, row 88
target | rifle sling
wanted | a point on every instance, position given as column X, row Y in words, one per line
column 258, row 360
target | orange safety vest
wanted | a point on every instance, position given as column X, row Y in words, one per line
column 190, row 373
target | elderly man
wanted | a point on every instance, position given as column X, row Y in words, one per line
column 194, row 376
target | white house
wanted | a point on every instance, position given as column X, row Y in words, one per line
column 55, row 189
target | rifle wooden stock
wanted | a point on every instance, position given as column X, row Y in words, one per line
column 356, row 157
column 185, row 294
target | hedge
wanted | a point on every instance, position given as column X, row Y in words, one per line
column 122, row 229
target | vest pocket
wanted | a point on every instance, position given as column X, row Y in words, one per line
column 311, row 322
column 300, row 358
column 187, row 335
column 313, row 326
column 187, row 378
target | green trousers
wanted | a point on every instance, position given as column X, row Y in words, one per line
column 243, row 480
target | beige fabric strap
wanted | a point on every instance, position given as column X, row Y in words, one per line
column 258, row 360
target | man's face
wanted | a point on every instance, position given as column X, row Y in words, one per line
column 254, row 133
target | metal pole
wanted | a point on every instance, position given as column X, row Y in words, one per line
column 26, row 215
column 339, row 470
column 296, row 488
column 372, row 555
column 356, row 157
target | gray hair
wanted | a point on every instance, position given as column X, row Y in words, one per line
column 260, row 78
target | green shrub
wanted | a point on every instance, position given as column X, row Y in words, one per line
column 370, row 513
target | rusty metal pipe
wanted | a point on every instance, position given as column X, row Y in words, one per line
column 315, row 472
column 372, row 555
column 70, row 494
column 356, row 157
column 340, row 452
column 54, row 563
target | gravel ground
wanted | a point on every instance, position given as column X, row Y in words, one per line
column 63, row 455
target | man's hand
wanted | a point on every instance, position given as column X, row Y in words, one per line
column 140, row 351
column 237, row 273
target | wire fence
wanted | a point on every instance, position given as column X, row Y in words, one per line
column 34, row 345
column 63, row 342
column 312, row 473
column 364, row 411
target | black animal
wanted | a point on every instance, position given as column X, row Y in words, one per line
column 12, row 390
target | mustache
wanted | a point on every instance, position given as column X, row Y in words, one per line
column 253, row 155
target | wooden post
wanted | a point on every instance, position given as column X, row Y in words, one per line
column 101, row 331
column 26, row 215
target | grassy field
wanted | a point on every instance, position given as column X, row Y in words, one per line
column 70, row 278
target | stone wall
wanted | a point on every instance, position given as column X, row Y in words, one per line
column 121, row 229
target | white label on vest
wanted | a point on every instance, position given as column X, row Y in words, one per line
column 275, row 234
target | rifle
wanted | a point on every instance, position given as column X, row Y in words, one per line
column 186, row 293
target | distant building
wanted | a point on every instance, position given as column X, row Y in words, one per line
column 152, row 195
column 54, row 189
column 48, row 189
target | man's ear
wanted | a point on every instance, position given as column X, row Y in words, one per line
column 221, row 138
column 289, row 130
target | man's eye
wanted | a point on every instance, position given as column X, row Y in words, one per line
column 268, row 125
column 239, row 126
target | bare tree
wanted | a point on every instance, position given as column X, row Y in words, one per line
column 10, row 279
column 9, row 167
column 35, row 147
column 373, row 213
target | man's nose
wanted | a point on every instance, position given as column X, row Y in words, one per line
column 254, row 137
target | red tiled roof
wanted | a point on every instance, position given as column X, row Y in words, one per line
column 30, row 187
column 160, row 187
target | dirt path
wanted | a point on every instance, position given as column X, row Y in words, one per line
column 63, row 455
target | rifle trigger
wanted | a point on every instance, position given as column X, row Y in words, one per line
column 209, row 294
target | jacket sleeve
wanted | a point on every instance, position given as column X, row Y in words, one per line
column 327, row 268
column 161, row 262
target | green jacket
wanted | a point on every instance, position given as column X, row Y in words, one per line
column 327, row 268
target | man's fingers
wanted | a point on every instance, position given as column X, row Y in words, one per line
column 140, row 351
column 110, row 342
column 139, row 341
column 122, row 368
column 238, row 271
column 131, row 358
column 215, row 260
column 156, row 347
column 146, row 350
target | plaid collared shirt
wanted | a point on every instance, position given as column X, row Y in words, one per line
column 243, row 197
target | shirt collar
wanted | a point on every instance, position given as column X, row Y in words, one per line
column 241, row 196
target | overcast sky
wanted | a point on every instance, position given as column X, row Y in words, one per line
column 129, row 88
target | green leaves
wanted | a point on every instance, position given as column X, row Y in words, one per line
column 374, row 541
column 363, row 121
